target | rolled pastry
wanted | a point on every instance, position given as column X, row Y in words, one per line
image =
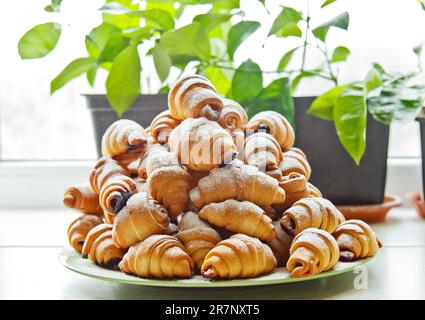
column 79, row 228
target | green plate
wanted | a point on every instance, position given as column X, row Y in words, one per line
column 73, row 261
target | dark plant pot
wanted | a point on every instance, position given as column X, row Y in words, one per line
column 333, row 171
column 422, row 131
column 143, row 111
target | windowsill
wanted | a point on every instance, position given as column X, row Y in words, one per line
column 40, row 184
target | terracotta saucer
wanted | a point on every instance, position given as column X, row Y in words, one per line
column 418, row 203
column 371, row 213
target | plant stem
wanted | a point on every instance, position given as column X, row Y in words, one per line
column 331, row 73
column 307, row 29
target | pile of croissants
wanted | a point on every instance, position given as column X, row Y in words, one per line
column 204, row 190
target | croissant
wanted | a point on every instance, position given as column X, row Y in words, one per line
column 275, row 124
column 197, row 236
column 240, row 256
column 280, row 244
column 171, row 230
column 114, row 185
column 143, row 160
column 312, row 251
column 100, row 249
column 81, row 197
column 313, row 191
column 311, row 213
column 161, row 127
column 240, row 182
column 141, row 217
column 78, row 229
column 263, row 151
column 194, row 96
column 233, row 116
column 168, row 182
column 238, row 136
column 159, row 256
column 124, row 140
column 294, row 160
column 239, row 217
column 356, row 240
column 201, row 144
column 296, row 188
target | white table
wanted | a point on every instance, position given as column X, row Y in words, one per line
column 29, row 268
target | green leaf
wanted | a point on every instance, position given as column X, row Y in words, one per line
column 186, row 43
column 277, row 97
column 113, row 47
column 378, row 68
column 71, row 71
column 340, row 21
column 219, row 77
column 159, row 17
column 123, row 82
column 323, row 106
column 238, row 34
column 91, row 75
column 247, row 82
column 163, row 5
column 54, row 6
column 372, row 80
column 113, row 12
column 209, row 21
column 162, row 62
column 39, row 41
column 340, row 54
column 284, row 61
column 326, row 3
column 350, row 117
column 418, row 49
column 285, row 23
column 98, row 37
column 296, row 81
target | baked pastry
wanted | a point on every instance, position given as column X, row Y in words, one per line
column 78, row 229
column 100, row 249
column 239, row 217
column 263, row 151
column 161, row 127
column 280, row 245
column 82, row 198
column 233, row 116
column 311, row 213
column 356, row 240
column 240, row 256
column 168, row 182
column 239, row 182
column 143, row 160
column 158, row 256
column 275, row 124
column 194, row 96
column 294, row 160
column 197, row 236
column 296, row 188
column 201, row 144
column 141, row 217
column 313, row 191
column 312, row 252
column 124, row 141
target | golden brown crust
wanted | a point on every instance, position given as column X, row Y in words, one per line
column 280, row 245
column 81, row 197
column 263, row 151
column 79, row 228
column 158, row 256
column 312, row 252
column 239, row 217
column 294, row 160
column 296, row 188
column 240, row 256
column 161, row 127
column 233, row 116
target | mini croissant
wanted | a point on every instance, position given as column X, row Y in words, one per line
column 141, row 217
column 201, row 144
column 124, row 140
column 161, row 127
column 168, row 182
column 275, row 124
column 356, row 240
column 194, row 96
column 296, row 187
column 294, row 160
column 233, row 116
column 312, row 251
column 159, row 256
column 239, row 182
column 81, row 197
column 239, row 217
column 280, row 245
column 79, row 228
column 100, row 249
column 311, row 213
column 263, row 151
column 197, row 236
column 240, row 256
